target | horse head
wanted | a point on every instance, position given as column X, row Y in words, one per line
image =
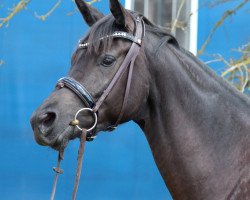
column 95, row 64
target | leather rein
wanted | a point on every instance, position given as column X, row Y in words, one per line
column 88, row 100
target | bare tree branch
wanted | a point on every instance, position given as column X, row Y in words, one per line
column 175, row 22
column 238, row 70
column 22, row 5
column 238, row 64
column 246, row 79
column 76, row 10
column 214, row 3
column 226, row 14
column 44, row 17
column 16, row 9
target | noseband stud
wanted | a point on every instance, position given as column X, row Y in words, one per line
column 74, row 122
column 60, row 84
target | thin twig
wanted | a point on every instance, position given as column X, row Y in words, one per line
column 237, row 65
column 16, row 9
column 222, row 59
column 76, row 10
column 173, row 27
column 226, row 14
column 241, row 79
column 44, row 17
column 246, row 79
column 213, row 61
column 93, row 1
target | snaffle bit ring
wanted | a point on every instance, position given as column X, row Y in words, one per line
column 94, row 115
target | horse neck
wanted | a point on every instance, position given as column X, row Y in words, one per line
column 197, row 127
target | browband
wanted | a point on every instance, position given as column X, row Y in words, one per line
column 116, row 34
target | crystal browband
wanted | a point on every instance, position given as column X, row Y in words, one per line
column 117, row 34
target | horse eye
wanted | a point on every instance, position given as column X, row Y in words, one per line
column 108, row 61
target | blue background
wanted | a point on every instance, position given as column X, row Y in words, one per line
column 36, row 53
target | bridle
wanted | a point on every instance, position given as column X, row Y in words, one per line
column 88, row 100
column 128, row 62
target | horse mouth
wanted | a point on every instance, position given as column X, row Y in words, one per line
column 60, row 141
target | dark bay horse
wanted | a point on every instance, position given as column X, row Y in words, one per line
column 197, row 125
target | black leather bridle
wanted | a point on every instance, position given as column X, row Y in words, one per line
column 128, row 62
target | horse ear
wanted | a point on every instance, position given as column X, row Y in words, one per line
column 121, row 15
column 89, row 13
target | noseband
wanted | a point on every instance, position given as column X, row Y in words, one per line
column 128, row 62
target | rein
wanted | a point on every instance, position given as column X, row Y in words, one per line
column 58, row 171
column 92, row 106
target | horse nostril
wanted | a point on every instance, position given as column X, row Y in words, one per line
column 46, row 120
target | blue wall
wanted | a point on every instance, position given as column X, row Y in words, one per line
column 36, row 54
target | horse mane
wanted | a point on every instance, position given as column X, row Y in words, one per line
column 107, row 26
column 160, row 32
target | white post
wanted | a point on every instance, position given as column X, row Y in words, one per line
column 146, row 8
column 129, row 4
column 193, row 36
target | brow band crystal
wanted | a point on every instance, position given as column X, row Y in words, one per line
column 118, row 34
